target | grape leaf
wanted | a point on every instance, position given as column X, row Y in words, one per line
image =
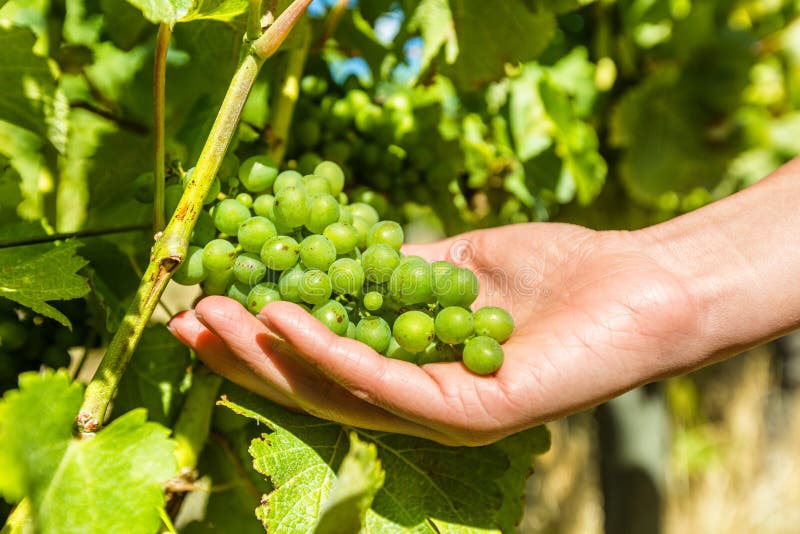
column 109, row 483
column 155, row 376
column 359, row 478
column 172, row 11
column 527, row 117
column 426, row 487
column 32, row 275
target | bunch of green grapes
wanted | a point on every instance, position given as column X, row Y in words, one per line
column 28, row 341
column 295, row 237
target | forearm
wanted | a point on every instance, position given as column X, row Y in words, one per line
column 739, row 260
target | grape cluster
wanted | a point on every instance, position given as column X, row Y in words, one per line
column 294, row 237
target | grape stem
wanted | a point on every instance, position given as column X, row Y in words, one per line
column 159, row 135
column 253, row 20
column 170, row 249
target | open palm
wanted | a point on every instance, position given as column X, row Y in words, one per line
column 595, row 316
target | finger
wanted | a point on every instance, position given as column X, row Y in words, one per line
column 429, row 251
column 213, row 352
column 269, row 358
column 442, row 396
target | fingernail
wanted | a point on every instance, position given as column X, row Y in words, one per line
column 197, row 315
column 264, row 319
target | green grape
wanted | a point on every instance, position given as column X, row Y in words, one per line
column 315, row 185
column 229, row 167
column 346, row 275
column 333, row 174
column 246, row 199
column 248, row 269
column 317, row 252
column 323, row 210
column 262, row 294
column 213, row 191
column 217, row 282
column 365, row 211
column 494, row 322
column 376, row 200
column 454, row 325
column 219, row 255
column 291, row 207
column 289, row 284
column 482, row 355
column 396, row 352
column 345, row 215
column 287, row 179
column 307, row 133
column 333, row 315
column 307, row 162
column 204, row 230
column 441, row 275
column 280, row 252
column 436, row 353
column 373, row 301
column 143, row 187
column 414, row 330
column 172, row 195
column 368, row 118
column 458, row 288
column 358, row 98
column 191, row 271
column 362, row 226
column 262, row 205
column 350, row 332
column 258, row 173
column 13, row 335
column 315, row 287
column 337, row 151
column 379, row 261
column 313, row 85
column 341, row 114
column 229, row 214
column 254, row 232
column 343, row 236
column 375, row 332
column 386, row 232
column 239, row 292
column 412, row 282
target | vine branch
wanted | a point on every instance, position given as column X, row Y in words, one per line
column 159, row 112
column 170, row 249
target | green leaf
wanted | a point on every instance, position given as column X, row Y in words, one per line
column 158, row 11
column 359, row 478
column 33, row 275
column 527, row 117
column 109, row 483
column 155, row 377
column 172, row 11
column 426, row 487
column 225, row 10
column 26, row 155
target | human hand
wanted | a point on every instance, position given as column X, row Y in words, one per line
column 595, row 314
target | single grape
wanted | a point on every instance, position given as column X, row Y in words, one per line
column 482, row 355
column 204, row 230
column 396, row 352
column 333, row 174
column 258, row 173
column 458, row 288
column 246, row 199
column 172, row 195
column 315, row 287
column 291, row 207
column 343, row 236
column 494, row 322
column 217, row 282
column 254, row 232
column 376, row 200
column 287, row 179
column 289, row 284
column 333, row 315
column 13, row 335
column 436, row 353
column 345, row 216
column 412, row 282
column 313, row 85
column 351, row 332
column 229, row 214
column 191, row 271
column 441, row 276
column 323, row 211
column 262, row 294
column 144, row 185
column 248, row 269
column 365, row 211
column 373, row 301
column 280, row 252
column 375, row 332
column 239, row 292
column 229, row 167
column 379, row 261
column 262, row 205
column 414, row 330
column 315, row 185
column 362, row 227
column 307, row 162
column 454, row 325
column 213, row 191
column 219, row 255
column 317, row 252
column 387, row 233
column 347, row 276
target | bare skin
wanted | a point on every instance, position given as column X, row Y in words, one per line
column 597, row 314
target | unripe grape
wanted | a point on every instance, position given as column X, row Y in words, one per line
column 379, row 261
column 482, row 355
column 254, row 232
column 387, row 233
column 343, row 236
column 287, row 179
column 258, row 173
column 229, row 214
column 333, row 174
column 374, row 332
column 191, row 271
column 291, row 207
column 454, row 325
column 414, row 330
column 249, row 269
column 262, row 294
column 280, row 252
column 317, row 252
column 333, row 315
column 494, row 322
column 315, row 287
